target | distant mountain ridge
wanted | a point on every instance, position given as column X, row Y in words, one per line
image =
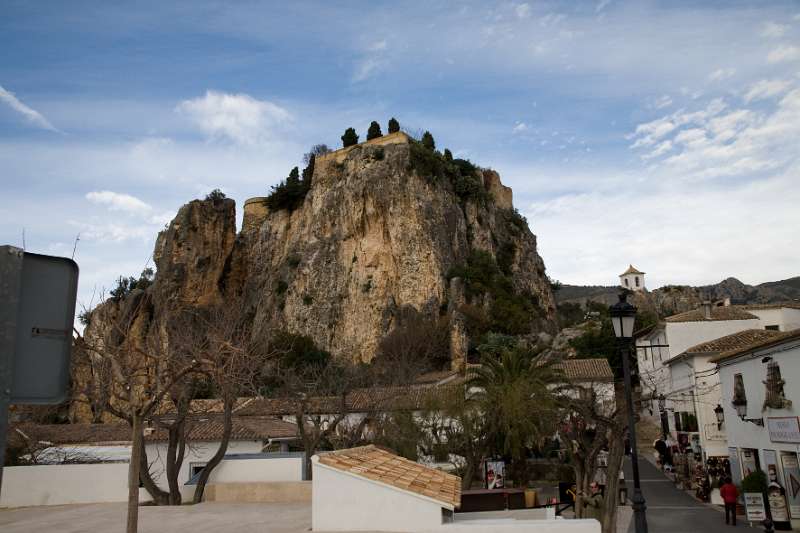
column 677, row 298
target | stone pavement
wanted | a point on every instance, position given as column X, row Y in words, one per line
column 670, row 510
column 209, row 517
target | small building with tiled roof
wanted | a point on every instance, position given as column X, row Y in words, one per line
column 594, row 370
column 370, row 489
column 632, row 279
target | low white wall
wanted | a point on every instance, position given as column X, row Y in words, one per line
column 258, row 469
column 342, row 502
column 25, row 486
column 518, row 526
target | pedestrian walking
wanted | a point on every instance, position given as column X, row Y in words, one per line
column 729, row 494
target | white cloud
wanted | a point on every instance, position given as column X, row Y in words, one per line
column 523, row 11
column 766, row 89
column 119, row 202
column 520, row 127
column 659, row 150
column 784, row 53
column 377, row 46
column 773, row 30
column 367, row 67
column 30, row 114
column 662, row 102
column 716, row 142
column 721, row 74
column 601, row 5
column 238, row 117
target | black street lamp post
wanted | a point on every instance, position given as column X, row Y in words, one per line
column 623, row 316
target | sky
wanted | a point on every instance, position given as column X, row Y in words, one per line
column 662, row 134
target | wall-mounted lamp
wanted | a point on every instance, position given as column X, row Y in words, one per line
column 720, row 413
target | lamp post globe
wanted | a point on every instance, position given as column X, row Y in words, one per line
column 623, row 318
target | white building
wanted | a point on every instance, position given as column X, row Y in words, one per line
column 88, row 463
column 632, row 279
column 674, row 361
column 370, row 489
column 760, row 384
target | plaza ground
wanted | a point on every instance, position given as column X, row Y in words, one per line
column 202, row 518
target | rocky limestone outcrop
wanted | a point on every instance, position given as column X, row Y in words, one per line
column 374, row 235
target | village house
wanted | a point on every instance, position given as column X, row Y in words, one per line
column 679, row 382
column 760, row 389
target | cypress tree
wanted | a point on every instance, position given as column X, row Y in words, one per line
column 427, row 141
column 394, row 126
column 349, row 138
column 448, row 155
column 374, row 131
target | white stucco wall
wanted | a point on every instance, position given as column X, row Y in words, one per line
column 25, row 486
column 743, row 434
column 275, row 468
column 683, row 335
column 196, row 452
column 342, row 502
column 785, row 318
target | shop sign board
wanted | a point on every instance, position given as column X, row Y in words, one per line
column 495, row 474
column 749, row 461
column 791, row 477
column 784, row 429
column 754, row 505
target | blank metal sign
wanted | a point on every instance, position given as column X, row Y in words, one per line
column 45, row 320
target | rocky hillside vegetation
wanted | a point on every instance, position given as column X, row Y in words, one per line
column 365, row 241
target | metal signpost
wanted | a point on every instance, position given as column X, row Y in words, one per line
column 37, row 311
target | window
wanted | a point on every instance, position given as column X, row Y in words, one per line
column 739, row 396
column 195, row 469
column 772, row 328
column 626, row 282
column 637, row 280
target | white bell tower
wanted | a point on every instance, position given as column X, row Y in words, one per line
column 632, row 279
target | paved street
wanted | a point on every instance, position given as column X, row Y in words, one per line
column 670, row 510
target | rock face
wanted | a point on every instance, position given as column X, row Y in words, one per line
column 373, row 235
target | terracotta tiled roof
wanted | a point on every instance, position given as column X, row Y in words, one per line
column 631, row 270
column 734, row 341
column 586, row 369
column 244, row 428
column 717, row 313
column 205, row 406
column 376, row 464
column 209, row 429
column 70, row 433
column 412, row 397
column 777, row 337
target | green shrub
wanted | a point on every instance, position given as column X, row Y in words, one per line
column 755, row 482
column 374, row 131
column 281, row 287
column 394, row 126
column 298, row 351
column 293, row 260
column 290, row 193
column 461, row 173
column 215, row 196
column 125, row 286
column 378, row 153
column 307, row 300
column 448, row 155
column 511, row 312
column 349, row 138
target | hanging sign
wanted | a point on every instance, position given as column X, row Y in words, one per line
column 784, row 429
column 754, row 504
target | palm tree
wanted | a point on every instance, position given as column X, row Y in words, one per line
column 514, row 388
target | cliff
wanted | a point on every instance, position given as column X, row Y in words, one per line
column 385, row 226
